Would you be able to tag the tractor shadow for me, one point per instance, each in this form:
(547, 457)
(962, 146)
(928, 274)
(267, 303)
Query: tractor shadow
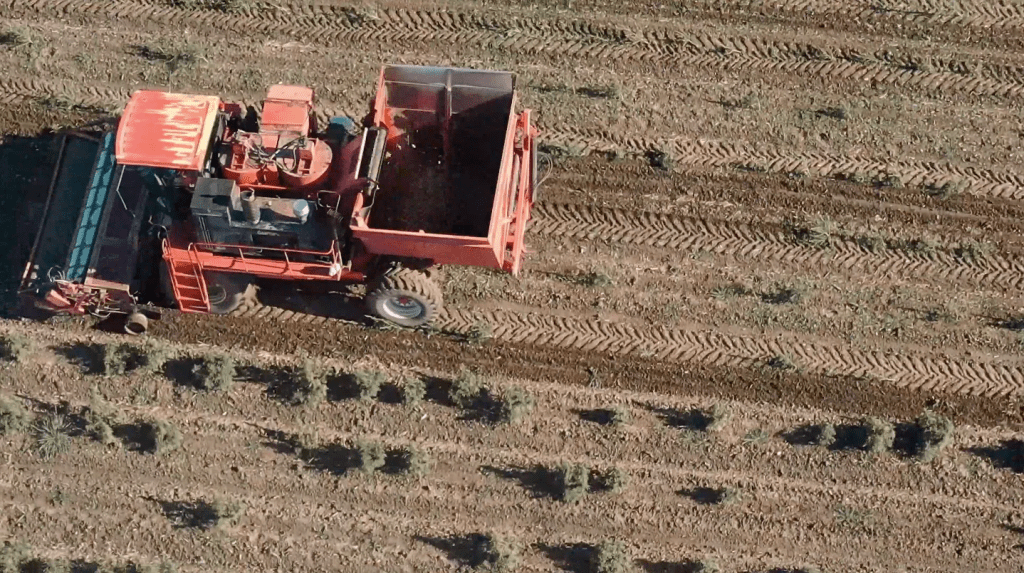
(304, 299)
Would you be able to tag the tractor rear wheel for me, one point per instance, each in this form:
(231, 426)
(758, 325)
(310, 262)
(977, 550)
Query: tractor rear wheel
(405, 297)
(227, 291)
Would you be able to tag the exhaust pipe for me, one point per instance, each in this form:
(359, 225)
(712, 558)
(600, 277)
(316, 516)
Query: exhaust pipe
(249, 206)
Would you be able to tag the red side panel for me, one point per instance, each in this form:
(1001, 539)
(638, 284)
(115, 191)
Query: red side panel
(168, 130)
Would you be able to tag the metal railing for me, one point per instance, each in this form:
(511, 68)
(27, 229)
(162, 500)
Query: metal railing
(333, 252)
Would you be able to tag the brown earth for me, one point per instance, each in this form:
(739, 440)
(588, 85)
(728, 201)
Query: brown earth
(739, 186)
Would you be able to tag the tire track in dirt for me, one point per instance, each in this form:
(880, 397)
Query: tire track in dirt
(994, 15)
(904, 369)
(523, 36)
(978, 181)
(740, 240)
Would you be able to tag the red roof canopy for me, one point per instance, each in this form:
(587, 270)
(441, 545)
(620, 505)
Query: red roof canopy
(169, 130)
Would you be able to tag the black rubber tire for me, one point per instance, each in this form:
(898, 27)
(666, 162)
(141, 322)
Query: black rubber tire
(136, 323)
(406, 297)
(236, 290)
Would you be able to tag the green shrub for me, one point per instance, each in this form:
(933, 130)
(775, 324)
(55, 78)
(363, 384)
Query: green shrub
(495, 553)
(52, 566)
(727, 496)
(13, 416)
(826, 435)
(756, 436)
(371, 456)
(934, 433)
(465, 390)
(161, 436)
(610, 557)
(216, 373)
(516, 404)
(312, 386)
(706, 566)
(225, 513)
(12, 557)
(413, 390)
(15, 347)
(613, 480)
(115, 359)
(879, 435)
(53, 435)
(100, 418)
(572, 481)
(619, 416)
(716, 417)
(154, 354)
(414, 461)
(368, 384)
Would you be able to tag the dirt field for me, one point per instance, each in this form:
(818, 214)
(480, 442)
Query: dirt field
(808, 212)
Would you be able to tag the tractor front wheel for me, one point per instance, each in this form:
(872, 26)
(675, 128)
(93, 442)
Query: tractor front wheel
(405, 297)
(227, 291)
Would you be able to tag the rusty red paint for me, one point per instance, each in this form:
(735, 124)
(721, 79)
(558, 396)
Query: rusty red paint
(168, 130)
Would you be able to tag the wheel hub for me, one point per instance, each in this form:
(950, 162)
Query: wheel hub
(216, 293)
(403, 308)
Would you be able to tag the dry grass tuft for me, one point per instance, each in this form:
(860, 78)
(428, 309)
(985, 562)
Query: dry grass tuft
(53, 435)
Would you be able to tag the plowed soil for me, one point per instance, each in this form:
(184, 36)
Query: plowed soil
(805, 211)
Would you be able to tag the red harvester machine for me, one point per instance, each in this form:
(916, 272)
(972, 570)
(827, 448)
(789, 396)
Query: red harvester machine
(214, 199)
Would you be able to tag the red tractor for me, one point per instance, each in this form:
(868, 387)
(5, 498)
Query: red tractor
(442, 172)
